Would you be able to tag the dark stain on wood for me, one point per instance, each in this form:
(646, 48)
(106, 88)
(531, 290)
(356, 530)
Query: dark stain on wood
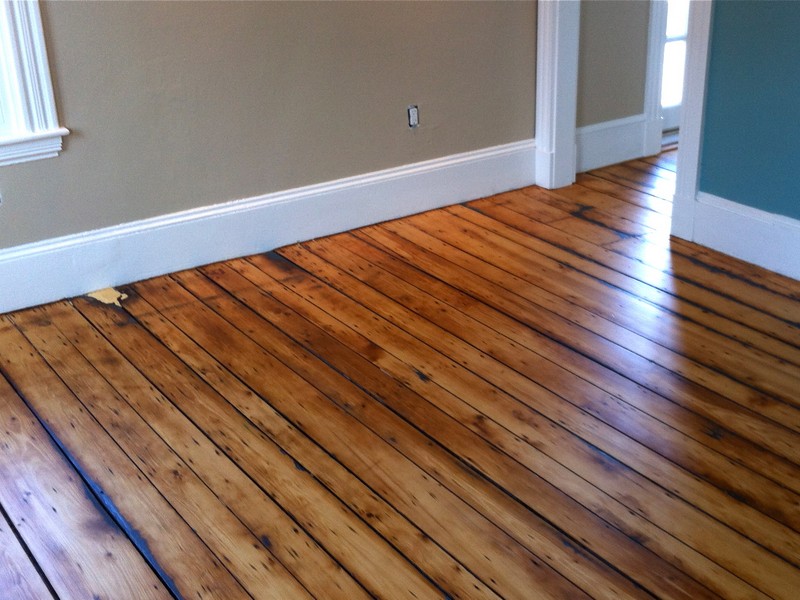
(422, 376)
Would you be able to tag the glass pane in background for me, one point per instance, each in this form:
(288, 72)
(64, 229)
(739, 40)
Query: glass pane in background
(677, 18)
(672, 78)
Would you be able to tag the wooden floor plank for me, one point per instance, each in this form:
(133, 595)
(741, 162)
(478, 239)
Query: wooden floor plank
(19, 577)
(312, 506)
(408, 487)
(578, 299)
(741, 273)
(629, 218)
(750, 425)
(752, 326)
(621, 192)
(68, 535)
(647, 312)
(513, 482)
(375, 511)
(626, 407)
(638, 180)
(666, 159)
(650, 221)
(702, 306)
(272, 528)
(185, 562)
(608, 227)
(542, 212)
(462, 382)
(598, 536)
(477, 256)
(638, 530)
(301, 402)
(725, 276)
(781, 539)
(252, 563)
(480, 495)
(654, 169)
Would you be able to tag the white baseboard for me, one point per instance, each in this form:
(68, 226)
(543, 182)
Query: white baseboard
(615, 141)
(69, 266)
(765, 239)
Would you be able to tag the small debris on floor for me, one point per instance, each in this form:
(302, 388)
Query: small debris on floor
(109, 296)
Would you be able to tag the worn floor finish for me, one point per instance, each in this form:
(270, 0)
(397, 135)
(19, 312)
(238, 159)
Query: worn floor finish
(534, 395)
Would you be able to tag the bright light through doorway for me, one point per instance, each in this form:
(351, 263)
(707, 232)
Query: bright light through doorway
(674, 61)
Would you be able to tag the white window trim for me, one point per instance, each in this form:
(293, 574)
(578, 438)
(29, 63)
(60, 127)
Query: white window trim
(38, 135)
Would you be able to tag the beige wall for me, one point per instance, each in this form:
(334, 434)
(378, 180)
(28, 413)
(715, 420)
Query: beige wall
(613, 59)
(178, 105)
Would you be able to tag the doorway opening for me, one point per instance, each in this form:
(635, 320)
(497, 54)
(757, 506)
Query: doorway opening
(673, 67)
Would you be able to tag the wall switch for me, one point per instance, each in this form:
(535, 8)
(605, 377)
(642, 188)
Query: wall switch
(413, 115)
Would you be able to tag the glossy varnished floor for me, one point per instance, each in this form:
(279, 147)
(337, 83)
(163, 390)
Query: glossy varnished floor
(534, 395)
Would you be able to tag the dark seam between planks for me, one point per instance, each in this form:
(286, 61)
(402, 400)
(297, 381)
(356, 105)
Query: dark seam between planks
(293, 424)
(614, 286)
(95, 494)
(599, 360)
(325, 450)
(717, 369)
(35, 563)
(590, 411)
(565, 538)
(628, 182)
(580, 213)
(175, 453)
(577, 407)
(265, 541)
(719, 431)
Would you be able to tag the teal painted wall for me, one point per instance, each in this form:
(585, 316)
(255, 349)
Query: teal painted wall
(751, 136)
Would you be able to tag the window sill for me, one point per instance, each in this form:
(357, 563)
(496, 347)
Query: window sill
(31, 146)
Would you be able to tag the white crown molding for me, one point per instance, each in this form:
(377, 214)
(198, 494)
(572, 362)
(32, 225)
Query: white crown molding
(762, 238)
(58, 268)
(558, 33)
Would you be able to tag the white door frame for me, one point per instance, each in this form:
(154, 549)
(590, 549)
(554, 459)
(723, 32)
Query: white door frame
(691, 127)
(558, 31)
(656, 35)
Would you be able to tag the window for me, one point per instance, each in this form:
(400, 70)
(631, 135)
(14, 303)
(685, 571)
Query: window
(29, 127)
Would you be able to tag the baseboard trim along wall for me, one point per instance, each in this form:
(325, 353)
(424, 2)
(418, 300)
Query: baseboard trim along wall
(616, 141)
(765, 239)
(73, 265)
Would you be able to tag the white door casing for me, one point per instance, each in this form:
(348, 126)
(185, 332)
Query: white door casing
(558, 33)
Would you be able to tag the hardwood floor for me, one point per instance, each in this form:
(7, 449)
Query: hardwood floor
(533, 395)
